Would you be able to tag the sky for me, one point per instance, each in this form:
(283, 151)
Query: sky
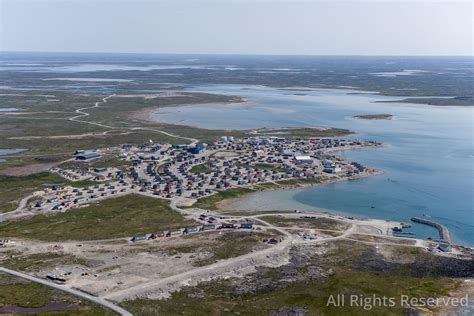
(281, 27)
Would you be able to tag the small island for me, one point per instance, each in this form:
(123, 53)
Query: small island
(374, 117)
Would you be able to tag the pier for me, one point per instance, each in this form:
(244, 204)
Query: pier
(442, 230)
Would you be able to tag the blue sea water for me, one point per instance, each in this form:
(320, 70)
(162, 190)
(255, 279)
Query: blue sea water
(428, 157)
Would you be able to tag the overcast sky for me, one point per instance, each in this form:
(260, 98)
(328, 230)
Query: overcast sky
(378, 27)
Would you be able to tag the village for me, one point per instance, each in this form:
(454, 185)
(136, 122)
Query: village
(199, 170)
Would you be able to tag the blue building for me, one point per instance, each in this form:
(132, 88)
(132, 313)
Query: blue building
(196, 150)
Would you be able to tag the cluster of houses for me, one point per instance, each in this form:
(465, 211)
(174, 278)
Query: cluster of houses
(58, 197)
(5, 243)
(78, 174)
(199, 170)
(170, 171)
(211, 225)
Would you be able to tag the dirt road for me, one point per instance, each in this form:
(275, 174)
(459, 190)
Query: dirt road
(97, 300)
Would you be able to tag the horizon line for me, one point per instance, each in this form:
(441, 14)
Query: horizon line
(228, 54)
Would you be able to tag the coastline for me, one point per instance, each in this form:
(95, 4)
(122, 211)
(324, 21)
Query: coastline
(225, 204)
(146, 115)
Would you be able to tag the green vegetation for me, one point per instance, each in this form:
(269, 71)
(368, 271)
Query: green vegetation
(48, 146)
(374, 116)
(120, 217)
(304, 132)
(40, 261)
(250, 213)
(210, 202)
(297, 182)
(12, 188)
(44, 146)
(18, 292)
(110, 162)
(266, 186)
(233, 244)
(267, 166)
(461, 101)
(404, 241)
(201, 168)
(275, 292)
(222, 246)
(322, 223)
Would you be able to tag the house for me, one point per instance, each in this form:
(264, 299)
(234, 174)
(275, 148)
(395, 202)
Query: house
(174, 232)
(258, 153)
(303, 159)
(179, 146)
(149, 156)
(273, 241)
(328, 164)
(332, 169)
(88, 155)
(139, 238)
(55, 277)
(227, 226)
(191, 230)
(54, 186)
(159, 234)
(308, 236)
(208, 227)
(445, 247)
(246, 226)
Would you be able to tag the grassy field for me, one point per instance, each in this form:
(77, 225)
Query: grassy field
(201, 168)
(119, 217)
(267, 166)
(39, 261)
(275, 292)
(26, 131)
(250, 213)
(210, 202)
(22, 293)
(221, 245)
(297, 182)
(316, 223)
(233, 244)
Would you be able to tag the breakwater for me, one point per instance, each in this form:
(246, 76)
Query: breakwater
(442, 230)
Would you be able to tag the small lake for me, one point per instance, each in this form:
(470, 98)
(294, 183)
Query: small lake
(428, 158)
(9, 109)
(6, 151)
